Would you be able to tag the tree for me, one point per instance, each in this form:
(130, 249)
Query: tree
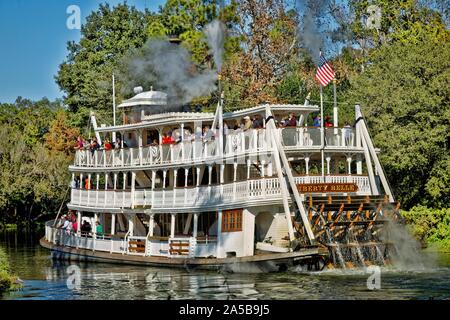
(267, 34)
(405, 96)
(86, 74)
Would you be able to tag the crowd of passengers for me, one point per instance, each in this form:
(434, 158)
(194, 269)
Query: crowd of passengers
(174, 136)
(68, 223)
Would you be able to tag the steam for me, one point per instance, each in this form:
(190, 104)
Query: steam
(169, 68)
(310, 35)
(215, 35)
(406, 253)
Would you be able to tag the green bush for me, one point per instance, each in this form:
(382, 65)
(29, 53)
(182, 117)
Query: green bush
(430, 226)
(6, 280)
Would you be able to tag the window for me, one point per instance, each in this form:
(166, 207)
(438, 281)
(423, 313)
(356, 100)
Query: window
(232, 220)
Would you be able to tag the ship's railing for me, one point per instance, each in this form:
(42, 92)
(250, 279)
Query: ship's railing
(305, 137)
(84, 240)
(204, 196)
(154, 246)
(236, 142)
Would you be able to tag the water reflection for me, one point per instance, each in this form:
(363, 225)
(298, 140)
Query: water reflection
(47, 279)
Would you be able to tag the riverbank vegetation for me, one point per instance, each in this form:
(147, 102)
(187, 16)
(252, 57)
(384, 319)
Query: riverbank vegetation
(7, 281)
(399, 73)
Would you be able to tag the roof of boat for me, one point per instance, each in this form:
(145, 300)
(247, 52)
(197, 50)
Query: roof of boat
(170, 118)
(147, 98)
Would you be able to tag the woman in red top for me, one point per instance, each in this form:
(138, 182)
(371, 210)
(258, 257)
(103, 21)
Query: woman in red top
(328, 123)
(107, 145)
(168, 139)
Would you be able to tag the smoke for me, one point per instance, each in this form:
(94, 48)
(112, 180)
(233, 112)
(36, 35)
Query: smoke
(215, 35)
(169, 68)
(311, 37)
(406, 252)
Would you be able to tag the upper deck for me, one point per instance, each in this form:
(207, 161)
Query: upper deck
(145, 147)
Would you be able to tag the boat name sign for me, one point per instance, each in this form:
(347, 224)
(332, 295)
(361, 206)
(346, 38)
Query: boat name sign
(326, 187)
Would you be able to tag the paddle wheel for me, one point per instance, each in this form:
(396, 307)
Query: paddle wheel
(353, 229)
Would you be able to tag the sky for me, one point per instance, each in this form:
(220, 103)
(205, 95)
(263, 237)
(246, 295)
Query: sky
(33, 41)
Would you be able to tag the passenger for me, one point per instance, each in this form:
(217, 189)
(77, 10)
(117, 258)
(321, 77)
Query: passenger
(225, 128)
(237, 125)
(207, 133)
(167, 139)
(87, 184)
(317, 121)
(73, 184)
(85, 227)
(248, 124)
(257, 122)
(328, 122)
(80, 143)
(87, 144)
(99, 228)
(74, 225)
(292, 121)
(94, 145)
(108, 146)
(347, 130)
(154, 143)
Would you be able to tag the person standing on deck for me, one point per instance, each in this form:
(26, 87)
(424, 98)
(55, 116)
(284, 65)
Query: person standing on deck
(248, 124)
(99, 228)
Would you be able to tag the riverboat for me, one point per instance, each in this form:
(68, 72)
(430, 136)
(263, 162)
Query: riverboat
(194, 190)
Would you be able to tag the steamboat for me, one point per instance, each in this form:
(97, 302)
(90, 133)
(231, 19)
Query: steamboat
(199, 190)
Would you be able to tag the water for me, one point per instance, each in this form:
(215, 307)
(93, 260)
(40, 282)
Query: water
(45, 279)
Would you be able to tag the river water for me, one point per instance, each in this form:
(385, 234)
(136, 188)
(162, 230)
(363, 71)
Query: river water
(45, 279)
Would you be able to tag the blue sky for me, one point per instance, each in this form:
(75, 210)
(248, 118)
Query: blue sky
(33, 37)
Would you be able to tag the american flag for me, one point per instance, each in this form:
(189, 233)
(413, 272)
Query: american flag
(324, 72)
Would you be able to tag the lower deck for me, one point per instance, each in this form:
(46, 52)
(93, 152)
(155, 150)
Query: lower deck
(261, 261)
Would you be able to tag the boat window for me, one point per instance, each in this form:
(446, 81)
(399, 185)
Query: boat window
(232, 220)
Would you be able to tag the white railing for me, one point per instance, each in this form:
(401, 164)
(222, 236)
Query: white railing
(87, 241)
(243, 191)
(236, 142)
(154, 246)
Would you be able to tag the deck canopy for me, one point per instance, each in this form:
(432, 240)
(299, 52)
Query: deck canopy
(170, 118)
(148, 98)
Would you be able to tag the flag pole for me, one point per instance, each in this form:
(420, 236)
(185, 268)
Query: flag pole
(322, 131)
(114, 107)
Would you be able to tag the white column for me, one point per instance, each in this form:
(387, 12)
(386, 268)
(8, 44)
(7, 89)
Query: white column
(186, 174)
(133, 188)
(164, 178)
(151, 224)
(209, 175)
(131, 225)
(235, 165)
(219, 234)
(328, 165)
(175, 177)
(172, 225)
(140, 144)
(358, 164)
(349, 165)
(194, 234)
(307, 165)
(222, 172)
(248, 168)
(78, 223)
(270, 169)
(94, 227)
(198, 175)
(113, 223)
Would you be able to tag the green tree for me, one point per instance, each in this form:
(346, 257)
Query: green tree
(86, 74)
(405, 96)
